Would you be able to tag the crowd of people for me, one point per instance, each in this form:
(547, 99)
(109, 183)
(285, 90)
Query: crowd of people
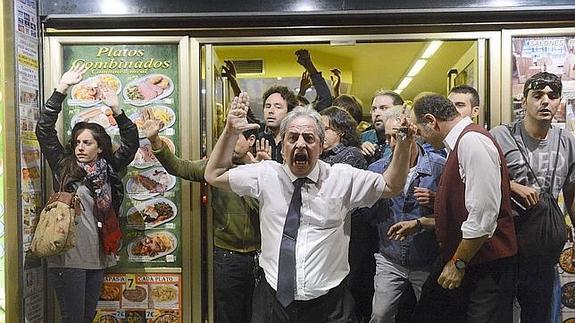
(318, 219)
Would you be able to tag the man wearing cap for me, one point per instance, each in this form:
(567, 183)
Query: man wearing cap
(304, 208)
(542, 145)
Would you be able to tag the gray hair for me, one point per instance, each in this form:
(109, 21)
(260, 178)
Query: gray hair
(305, 112)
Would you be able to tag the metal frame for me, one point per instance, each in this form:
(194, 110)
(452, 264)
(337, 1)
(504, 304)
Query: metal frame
(189, 122)
(507, 51)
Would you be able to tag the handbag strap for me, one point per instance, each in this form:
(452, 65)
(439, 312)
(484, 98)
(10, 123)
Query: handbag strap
(550, 188)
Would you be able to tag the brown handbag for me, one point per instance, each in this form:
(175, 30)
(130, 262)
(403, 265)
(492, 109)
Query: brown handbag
(55, 231)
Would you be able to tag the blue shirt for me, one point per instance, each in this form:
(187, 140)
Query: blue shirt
(382, 151)
(420, 249)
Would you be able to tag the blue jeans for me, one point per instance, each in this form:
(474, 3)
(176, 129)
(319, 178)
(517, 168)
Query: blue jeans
(233, 285)
(77, 291)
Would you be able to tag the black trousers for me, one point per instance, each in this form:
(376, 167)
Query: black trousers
(233, 285)
(485, 295)
(335, 306)
(535, 292)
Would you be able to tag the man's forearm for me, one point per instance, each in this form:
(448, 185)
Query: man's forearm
(468, 248)
(220, 160)
(396, 173)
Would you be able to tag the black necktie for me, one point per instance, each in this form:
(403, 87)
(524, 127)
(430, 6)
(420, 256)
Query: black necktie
(286, 267)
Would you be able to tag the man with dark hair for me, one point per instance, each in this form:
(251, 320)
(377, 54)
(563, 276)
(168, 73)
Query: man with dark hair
(351, 104)
(535, 143)
(304, 215)
(373, 141)
(278, 101)
(474, 277)
(466, 100)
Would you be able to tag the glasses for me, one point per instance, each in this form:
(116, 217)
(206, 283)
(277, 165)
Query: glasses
(540, 84)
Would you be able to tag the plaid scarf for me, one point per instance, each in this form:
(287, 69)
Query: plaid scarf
(108, 227)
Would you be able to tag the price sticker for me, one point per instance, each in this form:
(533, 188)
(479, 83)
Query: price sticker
(120, 314)
(130, 281)
(150, 314)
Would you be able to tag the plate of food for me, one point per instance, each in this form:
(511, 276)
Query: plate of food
(136, 295)
(566, 261)
(568, 295)
(149, 183)
(135, 317)
(107, 318)
(151, 213)
(110, 292)
(164, 295)
(88, 92)
(101, 115)
(167, 318)
(155, 112)
(145, 158)
(149, 88)
(151, 246)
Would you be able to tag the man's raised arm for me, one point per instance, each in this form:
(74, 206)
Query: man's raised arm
(220, 160)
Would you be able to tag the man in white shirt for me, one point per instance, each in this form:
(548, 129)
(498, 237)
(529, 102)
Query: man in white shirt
(328, 195)
(474, 277)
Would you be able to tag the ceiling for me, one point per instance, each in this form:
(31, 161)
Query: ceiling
(366, 67)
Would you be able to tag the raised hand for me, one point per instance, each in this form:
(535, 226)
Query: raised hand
(229, 69)
(335, 81)
(304, 83)
(263, 150)
(151, 128)
(237, 121)
(72, 76)
(110, 98)
(303, 57)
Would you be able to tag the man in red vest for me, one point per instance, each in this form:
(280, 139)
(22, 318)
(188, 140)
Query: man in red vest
(474, 277)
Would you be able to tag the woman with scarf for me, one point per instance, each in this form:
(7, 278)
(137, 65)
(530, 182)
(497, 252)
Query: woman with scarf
(89, 167)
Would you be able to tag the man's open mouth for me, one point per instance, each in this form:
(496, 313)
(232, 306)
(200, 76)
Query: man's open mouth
(300, 159)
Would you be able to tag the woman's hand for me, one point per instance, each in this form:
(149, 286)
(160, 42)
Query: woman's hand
(72, 76)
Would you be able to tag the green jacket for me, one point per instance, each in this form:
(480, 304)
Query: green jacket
(236, 219)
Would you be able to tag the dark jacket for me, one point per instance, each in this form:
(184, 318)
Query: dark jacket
(54, 152)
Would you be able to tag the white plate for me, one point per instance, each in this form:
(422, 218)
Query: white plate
(145, 158)
(137, 82)
(157, 174)
(96, 115)
(163, 303)
(92, 82)
(143, 206)
(159, 112)
(142, 258)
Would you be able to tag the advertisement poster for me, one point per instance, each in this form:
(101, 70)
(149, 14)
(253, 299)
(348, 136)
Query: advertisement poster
(149, 298)
(145, 78)
(556, 55)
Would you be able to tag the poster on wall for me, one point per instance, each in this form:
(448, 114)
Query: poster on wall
(150, 298)
(145, 78)
(553, 54)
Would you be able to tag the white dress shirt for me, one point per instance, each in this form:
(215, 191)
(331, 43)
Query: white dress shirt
(480, 170)
(323, 236)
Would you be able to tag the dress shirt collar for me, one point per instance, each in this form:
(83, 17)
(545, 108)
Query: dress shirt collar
(451, 138)
(313, 175)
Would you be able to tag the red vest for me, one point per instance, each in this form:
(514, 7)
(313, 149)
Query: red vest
(451, 212)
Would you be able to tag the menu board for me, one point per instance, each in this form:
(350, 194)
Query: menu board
(145, 77)
(150, 298)
(553, 54)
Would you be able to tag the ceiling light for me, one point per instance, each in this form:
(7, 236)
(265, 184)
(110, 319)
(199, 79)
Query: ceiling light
(405, 82)
(431, 48)
(419, 64)
(113, 7)
(398, 91)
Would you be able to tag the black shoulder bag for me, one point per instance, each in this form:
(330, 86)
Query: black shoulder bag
(541, 229)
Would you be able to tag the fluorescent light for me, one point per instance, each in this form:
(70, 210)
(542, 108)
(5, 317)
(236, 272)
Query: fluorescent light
(431, 48)
(419, 64)
(398, 91)
(113, 7)
(405, 82)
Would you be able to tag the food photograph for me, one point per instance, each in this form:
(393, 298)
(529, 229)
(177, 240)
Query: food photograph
(164, 296)
(149, 183)
(149, 88)
(87, 93)
(150, 214)
(145, 157)
(155, 112)
(151, 246)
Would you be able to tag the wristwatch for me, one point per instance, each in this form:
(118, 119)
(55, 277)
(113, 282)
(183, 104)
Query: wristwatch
(459, 264)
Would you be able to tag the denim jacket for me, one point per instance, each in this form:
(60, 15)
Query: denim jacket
(420, 249)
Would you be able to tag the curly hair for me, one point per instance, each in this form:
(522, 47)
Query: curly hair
(285, 92)
(351, 104)
(343, 123)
